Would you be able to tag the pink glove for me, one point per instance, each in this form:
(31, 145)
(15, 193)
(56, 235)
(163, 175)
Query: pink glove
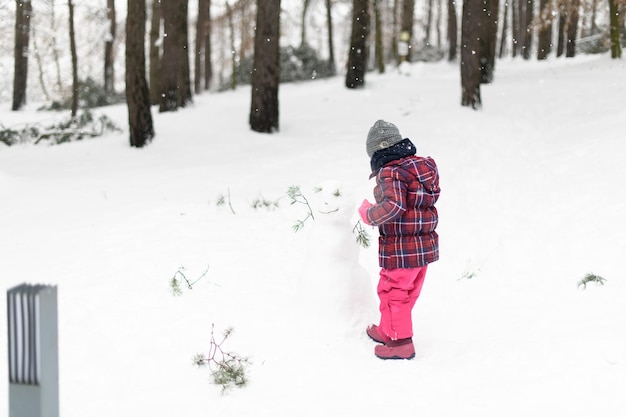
(365, 205)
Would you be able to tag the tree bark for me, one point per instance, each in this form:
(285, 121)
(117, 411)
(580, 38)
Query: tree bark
(452, 30)
(202, 26)
(527, 28)
(74, 59)
(478, 39)
(357, 56)
(23, 12)
(505, 27)
(174, 81)
(331, 46)
(109, 72)
(266, 69)
(572, 29)
(406, 23)
(208, 63)
(614, 33)
(470, 63)
(544, 36)
(155, 52)
(137, 95)
(378, 39)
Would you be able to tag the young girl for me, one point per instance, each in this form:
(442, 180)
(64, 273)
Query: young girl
(407, 188)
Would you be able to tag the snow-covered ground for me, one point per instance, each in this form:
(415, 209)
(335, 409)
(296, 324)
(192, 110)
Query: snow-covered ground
(533, 198)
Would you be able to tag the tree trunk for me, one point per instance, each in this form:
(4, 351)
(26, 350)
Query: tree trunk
(616, 48)
(357, 56)
(560, 45)
(572, 29)
(155, 52)
(175, 81)
(74, 59)
(137, 95)
(544, 41)
(429, 23)
(202, 24)
(452, 30)
(470, 63)
(109, 74)
(406, 24)
(378, 39)
(266, 69)
(527, 28)
(505, 27)
(233, 57)
(23, 12)
(208, 66)
(488, 39)
(331, 47)
(515, 27)
(305, 9)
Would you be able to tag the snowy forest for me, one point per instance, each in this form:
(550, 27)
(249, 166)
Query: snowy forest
(89, 53)
(190, 190)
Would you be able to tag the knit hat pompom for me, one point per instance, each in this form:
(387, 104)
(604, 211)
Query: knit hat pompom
(381, 136)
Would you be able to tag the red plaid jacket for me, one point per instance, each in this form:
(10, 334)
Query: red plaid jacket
(406, 192)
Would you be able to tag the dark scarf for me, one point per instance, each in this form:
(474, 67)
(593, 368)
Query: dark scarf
(400, 150)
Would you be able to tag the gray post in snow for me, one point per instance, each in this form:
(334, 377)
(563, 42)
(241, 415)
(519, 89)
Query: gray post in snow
(33, 351)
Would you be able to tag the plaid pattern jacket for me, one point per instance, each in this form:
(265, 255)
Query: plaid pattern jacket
(406, 192)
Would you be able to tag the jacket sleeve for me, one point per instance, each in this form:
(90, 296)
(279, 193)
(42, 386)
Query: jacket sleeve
(390, 193)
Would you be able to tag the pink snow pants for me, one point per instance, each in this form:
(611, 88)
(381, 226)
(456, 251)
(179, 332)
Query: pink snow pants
(398, 290)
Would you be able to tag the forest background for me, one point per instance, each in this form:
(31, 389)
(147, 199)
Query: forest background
(315, 40)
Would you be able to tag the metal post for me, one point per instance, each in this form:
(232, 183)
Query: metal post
(33, 351)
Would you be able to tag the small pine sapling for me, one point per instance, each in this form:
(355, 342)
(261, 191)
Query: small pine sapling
(296, 197)
(228, 369)
(362, 237)
(598, 280)
(262, 202)
(180, 276)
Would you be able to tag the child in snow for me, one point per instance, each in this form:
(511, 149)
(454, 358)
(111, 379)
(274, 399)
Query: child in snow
(407, 188)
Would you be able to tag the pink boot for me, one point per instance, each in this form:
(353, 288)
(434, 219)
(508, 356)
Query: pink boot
(396, 349)
(376, 336)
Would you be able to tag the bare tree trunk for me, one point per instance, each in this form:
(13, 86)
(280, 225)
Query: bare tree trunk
(515, 27)
(406, 23)
(616, 48)
(40, 69)
(429, 23)
(231, 27)
(23, 12)
(200, 52)
(452, 30)
(109, 72)
(357, 56)
(175, 81)
(305, 9)
(331, 47)
(394, 35)
(544, 41)
(470, 62)
(74, 59)
(266, 73)
(527, 28)
(488, 38)
(155, 52)
(560, 45)
(572, 29)
(505, 27)
(208, 66)
(378, 39)
(137, 95)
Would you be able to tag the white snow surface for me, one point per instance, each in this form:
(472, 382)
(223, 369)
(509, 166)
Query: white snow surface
(533, 198)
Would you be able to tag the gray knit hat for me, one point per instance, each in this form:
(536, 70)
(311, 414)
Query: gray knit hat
(381, 136)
